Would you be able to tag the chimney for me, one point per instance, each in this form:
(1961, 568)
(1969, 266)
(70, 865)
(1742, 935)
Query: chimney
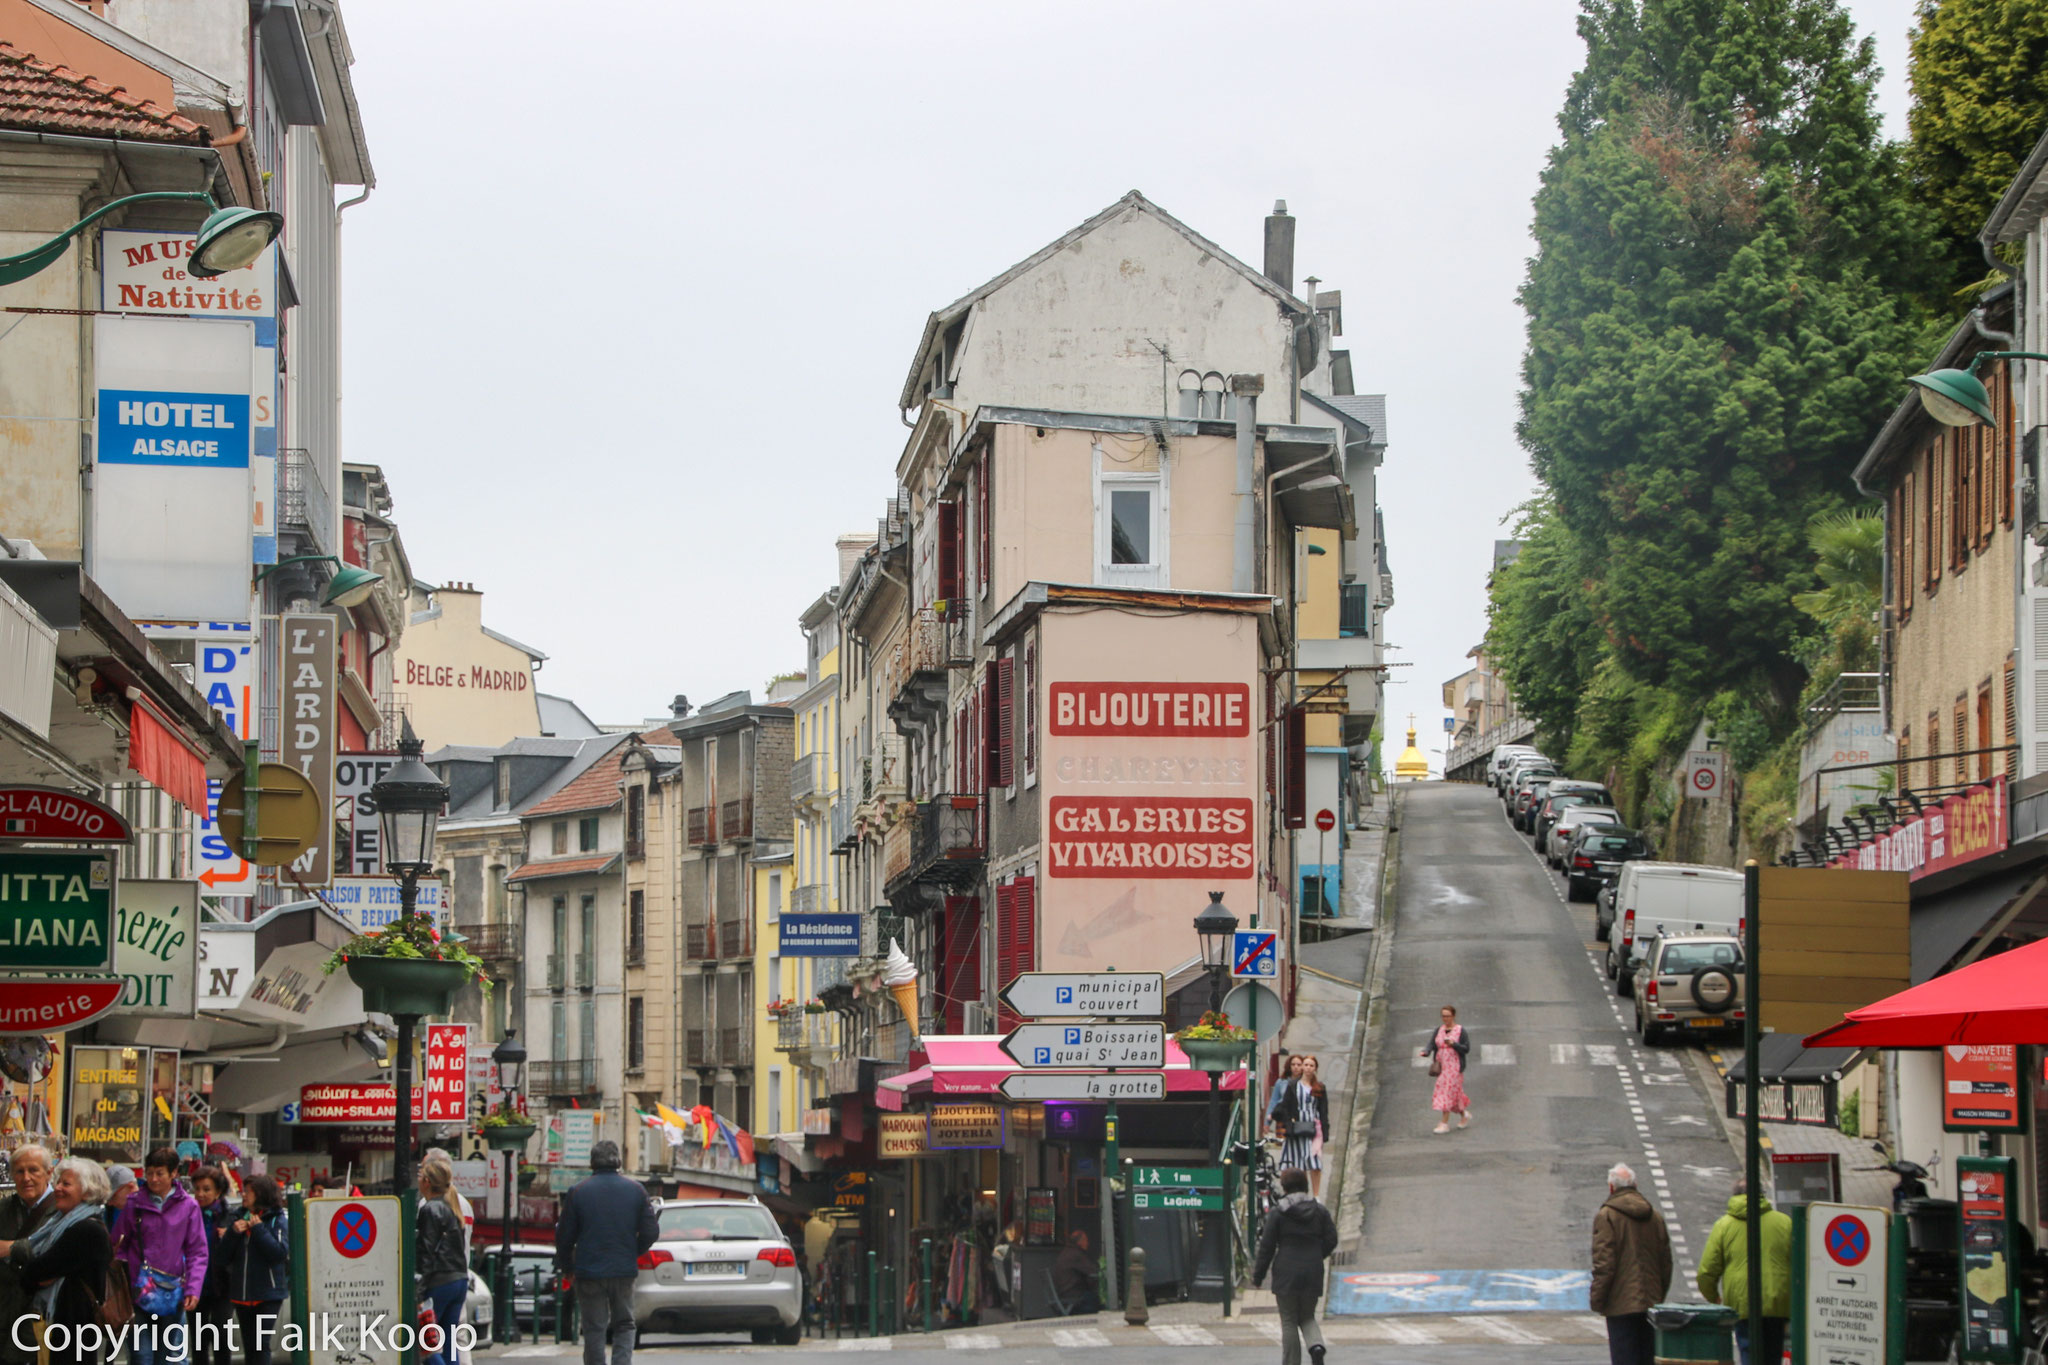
(679, 709)
(1280, 246)
(851, 547)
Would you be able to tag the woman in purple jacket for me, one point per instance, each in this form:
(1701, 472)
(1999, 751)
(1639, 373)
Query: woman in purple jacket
(161, 1233)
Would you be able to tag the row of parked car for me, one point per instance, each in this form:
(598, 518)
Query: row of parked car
(1673, 930)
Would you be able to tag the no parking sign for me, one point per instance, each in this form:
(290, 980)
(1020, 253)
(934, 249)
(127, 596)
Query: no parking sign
(354, 1272)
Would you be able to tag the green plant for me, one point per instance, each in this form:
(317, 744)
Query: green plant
(1849, 1116)
(1215, 1027)
(506, 1115)
(412, 938)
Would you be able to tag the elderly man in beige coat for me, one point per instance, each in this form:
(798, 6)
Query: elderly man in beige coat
(1631, 1268)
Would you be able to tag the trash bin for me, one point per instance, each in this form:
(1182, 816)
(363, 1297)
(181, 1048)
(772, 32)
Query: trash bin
(1694, 1333)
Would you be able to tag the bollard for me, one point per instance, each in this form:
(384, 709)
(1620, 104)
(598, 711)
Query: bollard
(924, 1288)
(1135, 1312)
(874, 1298)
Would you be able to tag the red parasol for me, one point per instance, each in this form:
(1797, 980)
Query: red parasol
(2002, 999)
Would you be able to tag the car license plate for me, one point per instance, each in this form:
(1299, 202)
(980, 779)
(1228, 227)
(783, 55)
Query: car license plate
(1703, 1023)
(701, 1270)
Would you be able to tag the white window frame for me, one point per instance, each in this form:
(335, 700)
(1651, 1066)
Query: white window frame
(1157, 574)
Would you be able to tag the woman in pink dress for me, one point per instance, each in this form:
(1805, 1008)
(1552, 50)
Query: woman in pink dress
(1449, 1046)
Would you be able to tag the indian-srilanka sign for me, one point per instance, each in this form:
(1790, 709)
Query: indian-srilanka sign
(902, 1137)
(1152, 781)
(305, 718)
(1981, 1089)
(156, 948)
(819, 936)
(1962, 829)
(171, 495)
(57, 911)
(446, 1081)
(569, 1136)
(52, 815)
(951, 1127)
(354, 1279)
(367, 1103)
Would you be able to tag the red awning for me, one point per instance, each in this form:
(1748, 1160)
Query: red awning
(975, 1064)
(160, 754)
(2002, 999)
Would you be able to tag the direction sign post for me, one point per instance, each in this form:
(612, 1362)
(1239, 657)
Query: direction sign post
(1111, 995)
(1084, 1085)
(1179, 1200)
(1068, 1046)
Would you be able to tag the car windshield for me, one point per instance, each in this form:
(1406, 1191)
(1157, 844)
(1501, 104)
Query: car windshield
(1615, 843)
(1582, 814)
(1690, 957)
(709, 1223)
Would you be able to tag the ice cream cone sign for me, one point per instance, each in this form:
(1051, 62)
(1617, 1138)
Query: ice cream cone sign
(901, 979)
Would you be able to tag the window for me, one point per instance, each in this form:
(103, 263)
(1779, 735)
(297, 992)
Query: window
(497, 893)
(636, 1033)
(560, 953)
(985, 542)
(1984, 740)
(774, 896)
(586, 966)
(1030, 699)
(586, 1028)
(1131, 514)
(636, 817)
(2012, 725)
(558, 1031)
(1927, 516)
(774, 1099)
(504, 784)
(586, 834)
(561, 837)
(636, 926)
(1130, 526)
(1962, 734)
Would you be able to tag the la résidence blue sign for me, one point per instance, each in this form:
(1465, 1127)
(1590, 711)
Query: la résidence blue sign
(820, 936)
(194, 430)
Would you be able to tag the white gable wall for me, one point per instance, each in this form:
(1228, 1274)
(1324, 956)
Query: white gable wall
(1074, 333)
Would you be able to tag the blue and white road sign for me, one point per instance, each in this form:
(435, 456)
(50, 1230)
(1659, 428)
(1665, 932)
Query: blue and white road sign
(1257, 953)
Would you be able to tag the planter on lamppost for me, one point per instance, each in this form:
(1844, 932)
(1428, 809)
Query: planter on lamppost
(1217, 1054)
(408, 985)
(508, 1137)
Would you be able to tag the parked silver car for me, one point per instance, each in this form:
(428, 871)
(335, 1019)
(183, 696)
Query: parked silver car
(720, 1265)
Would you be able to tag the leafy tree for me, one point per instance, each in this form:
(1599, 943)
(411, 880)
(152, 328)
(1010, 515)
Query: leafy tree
(1719, 314)
(1848, 552)
(1540, 634)
(1979, 72)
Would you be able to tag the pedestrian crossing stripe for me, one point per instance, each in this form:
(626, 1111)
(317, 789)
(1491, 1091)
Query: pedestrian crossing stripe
(1078, 1338)
(1496, 1054)
(972, 1341)
(1185, 1334)
(865, 1344)
(1502, 1330)
(1564, 1054)
(1269, 1330)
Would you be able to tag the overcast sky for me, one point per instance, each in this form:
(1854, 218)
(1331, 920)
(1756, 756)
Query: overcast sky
(629, 310)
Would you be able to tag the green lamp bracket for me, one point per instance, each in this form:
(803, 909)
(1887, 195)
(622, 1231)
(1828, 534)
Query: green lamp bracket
(14, 269)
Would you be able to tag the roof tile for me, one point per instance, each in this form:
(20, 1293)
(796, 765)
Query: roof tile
(563, 867)
(39, 97)
(598, 787)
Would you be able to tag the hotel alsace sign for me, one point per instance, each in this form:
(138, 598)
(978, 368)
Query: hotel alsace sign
(1970, 825)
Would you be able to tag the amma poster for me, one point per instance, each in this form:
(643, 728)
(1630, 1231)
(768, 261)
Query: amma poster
(1152, 783)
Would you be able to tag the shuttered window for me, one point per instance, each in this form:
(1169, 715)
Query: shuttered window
(982, 523)
(1030, 710)
(1929, 505)
(960, 974)
(1961, 731)
(1296, 795)
(2012, 722)
(2006, 437)
(1003, 760)
(947, 540)
(1988, 439)
(1984, 740)
(1909, 516)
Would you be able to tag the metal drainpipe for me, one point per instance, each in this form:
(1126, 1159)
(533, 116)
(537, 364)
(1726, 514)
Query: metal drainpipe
(1246, 388)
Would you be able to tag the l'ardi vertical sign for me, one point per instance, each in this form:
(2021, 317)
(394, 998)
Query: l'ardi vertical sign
(306, 725)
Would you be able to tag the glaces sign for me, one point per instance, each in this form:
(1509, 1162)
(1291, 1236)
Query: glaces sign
(1962, 829)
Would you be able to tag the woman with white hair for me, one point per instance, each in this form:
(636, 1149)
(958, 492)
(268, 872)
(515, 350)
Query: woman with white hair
(63, 1264)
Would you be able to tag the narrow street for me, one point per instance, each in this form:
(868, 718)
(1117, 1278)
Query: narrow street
(1497, 1217)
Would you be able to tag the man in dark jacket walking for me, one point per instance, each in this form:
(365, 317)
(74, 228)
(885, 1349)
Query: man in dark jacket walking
(606, 1223)
(1298, 1237)
(1631, 1268)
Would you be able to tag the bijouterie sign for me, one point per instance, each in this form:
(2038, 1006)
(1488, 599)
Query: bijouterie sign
(1142, 708)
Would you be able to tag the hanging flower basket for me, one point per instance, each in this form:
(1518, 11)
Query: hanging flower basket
(408, 985)
(1216, 1044)
(508, 1137)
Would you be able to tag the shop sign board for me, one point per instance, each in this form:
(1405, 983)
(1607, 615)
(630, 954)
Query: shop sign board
(1110, 995)
(52, 815)
(569, 1135)
(56, 1006)
(902, 1137)
(1177, 1177)
(445, 1082)
(1982, 1089)
(819, 936)
(372, 903)
(1084, 1085)
(306, 725)
(1805, 1178)
(482, 1181)
(1847, 1273)
(354, 775)
(57, 911)
(1970, 825)
(1178, 1200)
(1087, 1045)
(354, 1278)
(1151, 774)
(483, 1075)
(156, 948)
(818, 1122)
(171, 502)
(355, 1103)
(956, 1127)
(110, 1103)
(1991, 1255)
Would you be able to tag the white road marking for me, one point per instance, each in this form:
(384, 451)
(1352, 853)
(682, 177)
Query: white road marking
(1691, 1120)
(1077, 1338)
(1496, 1054)
(972, 1341)
(1602, 1054)
(1563, 1054)
(1405, 1333)
(1269, 1330)
(1185, 1334)
(1654, 1078)
(866, 1344)
(1500, 1329)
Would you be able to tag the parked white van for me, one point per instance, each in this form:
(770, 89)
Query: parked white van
(1668, 898)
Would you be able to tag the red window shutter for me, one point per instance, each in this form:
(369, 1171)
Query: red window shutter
(960, 977)
(1006, 955)
(949, 550)
(1027, 924)
(990, 704)
(960, 750)
(1297, 767)
(1006, 723)
(981, 520)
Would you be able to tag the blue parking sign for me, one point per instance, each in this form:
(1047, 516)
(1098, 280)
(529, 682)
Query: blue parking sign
(1256, 953)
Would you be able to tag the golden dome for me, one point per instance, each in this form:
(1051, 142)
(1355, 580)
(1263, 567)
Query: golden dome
(1411, 763)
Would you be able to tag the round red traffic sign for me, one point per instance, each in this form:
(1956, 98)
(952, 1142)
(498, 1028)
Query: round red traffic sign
(353, 1231)
(1705, 779)
(1325, 821)
(1848, 1240)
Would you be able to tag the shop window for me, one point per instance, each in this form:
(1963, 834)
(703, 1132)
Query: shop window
(586, 834)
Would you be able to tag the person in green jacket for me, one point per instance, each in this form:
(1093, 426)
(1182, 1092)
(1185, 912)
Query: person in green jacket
(1724, 1273)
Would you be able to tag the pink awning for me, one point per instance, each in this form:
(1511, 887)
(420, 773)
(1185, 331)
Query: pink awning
(975, 1064)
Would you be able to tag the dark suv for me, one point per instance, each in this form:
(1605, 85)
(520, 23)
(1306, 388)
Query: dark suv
(1595, 859)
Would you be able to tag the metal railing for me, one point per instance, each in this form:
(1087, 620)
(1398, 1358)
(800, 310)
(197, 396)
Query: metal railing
(736, 820)
(1848, 692)
(492, 942)
(947, 844)
(306, 504)
(586, 971)
(698, 942)
(571, 1076)
(1513, 730)
(700, 1047)
(807, 777)
(809, 900)
(700, 826)
(827, 972)
(558, 972)
(732, 938)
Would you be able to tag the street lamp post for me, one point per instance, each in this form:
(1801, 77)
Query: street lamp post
(1216, 927)
(409, 802)
(509, 1057)
(229, 239)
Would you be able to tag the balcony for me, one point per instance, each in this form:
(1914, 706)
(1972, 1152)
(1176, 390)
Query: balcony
(808, 783)
(586, 971)
(700, 1047)
(732, 1046)
(919, 670)
(700, 826)
(736, 820)
(881, 772)
(802, 1035)
(493, 942)
(809, 900)
(575, 1076)
(698, 942)
(558, 971)
(842, 836)
(732, 938)
(306, 505)
(948, 844)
